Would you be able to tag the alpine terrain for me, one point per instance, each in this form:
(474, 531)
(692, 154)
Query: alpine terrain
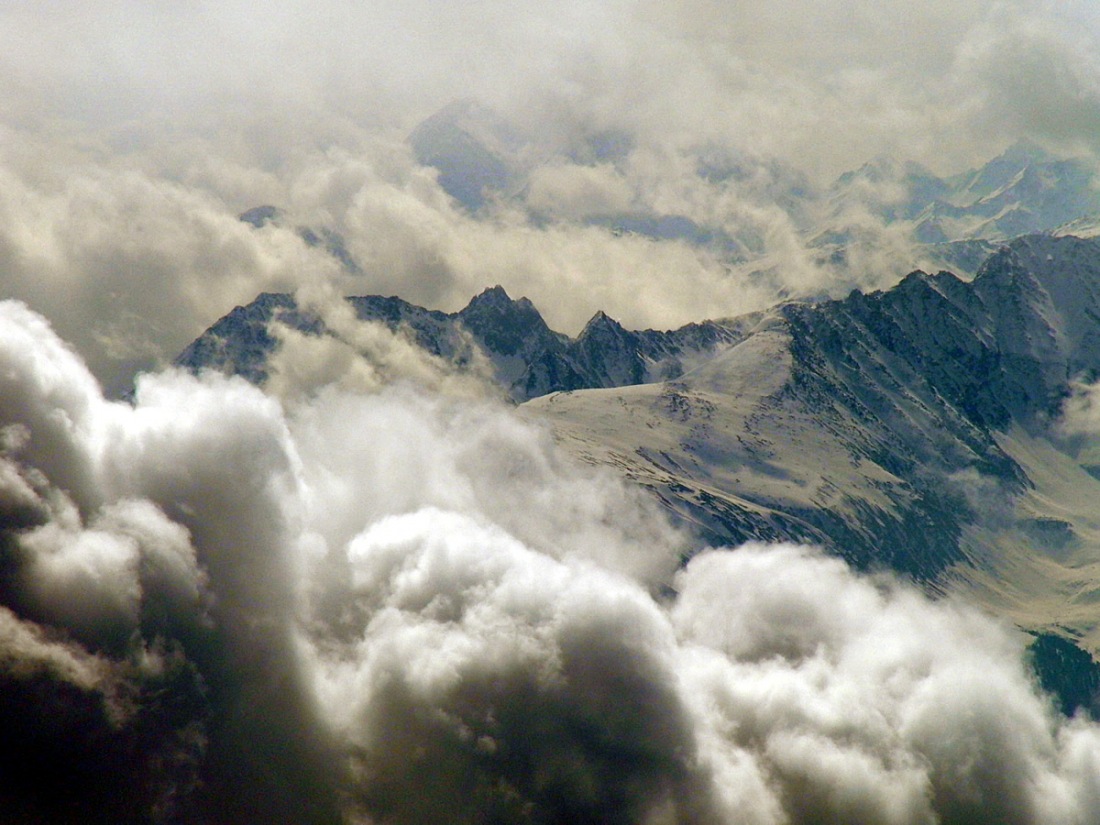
(934, 429)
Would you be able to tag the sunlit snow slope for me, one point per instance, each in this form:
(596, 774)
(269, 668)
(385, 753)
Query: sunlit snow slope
(918, 429)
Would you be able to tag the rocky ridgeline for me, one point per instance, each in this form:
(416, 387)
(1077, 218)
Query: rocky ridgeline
(529, 359)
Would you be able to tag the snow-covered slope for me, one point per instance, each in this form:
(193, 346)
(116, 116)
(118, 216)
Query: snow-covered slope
(912, 429)
(1022, 190)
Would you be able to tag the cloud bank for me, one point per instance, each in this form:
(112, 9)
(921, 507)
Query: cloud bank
(395, 606)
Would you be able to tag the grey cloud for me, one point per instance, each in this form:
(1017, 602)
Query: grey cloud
(829, 84)
(87, 736)
(1036, 75)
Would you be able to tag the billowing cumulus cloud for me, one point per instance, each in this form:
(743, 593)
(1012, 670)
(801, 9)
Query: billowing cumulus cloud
(1035, 74)
(395, 606)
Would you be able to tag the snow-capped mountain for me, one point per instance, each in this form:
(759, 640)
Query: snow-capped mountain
(478, 155)
(479, 158)
(915, 429)
(1022, 190)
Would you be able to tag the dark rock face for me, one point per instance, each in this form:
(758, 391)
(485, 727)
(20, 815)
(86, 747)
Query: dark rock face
(930, 371)
(1068, 672)
(997, 350)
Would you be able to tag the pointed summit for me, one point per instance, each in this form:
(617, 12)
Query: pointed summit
(501, 324)
(493, 296)
(609, 352)
(599, 323)
(473, 150)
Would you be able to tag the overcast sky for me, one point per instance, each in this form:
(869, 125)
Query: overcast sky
(132, 135)
(828, 84)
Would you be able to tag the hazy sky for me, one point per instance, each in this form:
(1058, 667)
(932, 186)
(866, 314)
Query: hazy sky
(132, 135)
(827, 84)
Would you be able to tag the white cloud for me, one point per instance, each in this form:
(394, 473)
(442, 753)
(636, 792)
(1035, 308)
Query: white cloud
(1081, 410)
(577, 192)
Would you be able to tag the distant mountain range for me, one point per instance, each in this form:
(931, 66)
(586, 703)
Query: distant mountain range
(913, 429)
(479, 158)
(482, 161)
(1022, 190)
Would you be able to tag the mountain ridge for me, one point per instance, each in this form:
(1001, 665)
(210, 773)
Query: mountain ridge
(528, 358)
(914, 429)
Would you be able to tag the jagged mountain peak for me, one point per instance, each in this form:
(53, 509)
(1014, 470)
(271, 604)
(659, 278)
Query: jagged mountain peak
(494, 313)
(496, 297)
(472, 118)
(1003, 170)
(493, 296)
(474, 152)
(528, 358)
(600, 324)
(506, 328)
